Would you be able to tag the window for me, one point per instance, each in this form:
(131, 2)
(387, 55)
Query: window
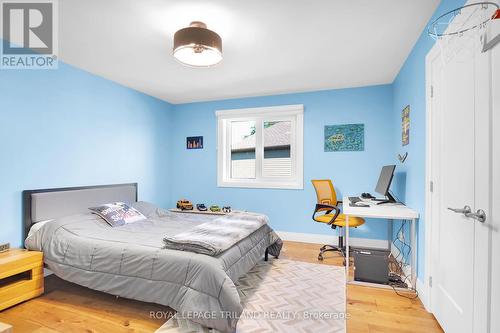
(260, 147)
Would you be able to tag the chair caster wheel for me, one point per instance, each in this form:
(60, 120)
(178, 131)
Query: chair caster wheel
(320, 257)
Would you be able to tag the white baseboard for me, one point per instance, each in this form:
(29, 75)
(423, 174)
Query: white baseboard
(422, 294)
(330, 239)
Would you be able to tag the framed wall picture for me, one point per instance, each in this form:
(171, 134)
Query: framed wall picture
(349, 137)
(194, 142)
(405, 126)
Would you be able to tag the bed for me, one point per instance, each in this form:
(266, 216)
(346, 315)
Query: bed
(130, 261)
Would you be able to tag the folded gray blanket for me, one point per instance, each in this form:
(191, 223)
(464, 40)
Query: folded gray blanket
(213, 238)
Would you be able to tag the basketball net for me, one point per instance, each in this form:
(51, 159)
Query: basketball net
(463, 29)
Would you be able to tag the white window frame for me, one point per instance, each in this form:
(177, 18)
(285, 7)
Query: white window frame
(293, 113)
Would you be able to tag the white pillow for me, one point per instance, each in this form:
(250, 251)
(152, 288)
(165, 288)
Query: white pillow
(37, 226)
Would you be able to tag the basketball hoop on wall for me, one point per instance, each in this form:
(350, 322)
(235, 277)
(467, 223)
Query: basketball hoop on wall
(479, 22)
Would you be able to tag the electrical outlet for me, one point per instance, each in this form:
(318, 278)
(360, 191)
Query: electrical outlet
(4, 247)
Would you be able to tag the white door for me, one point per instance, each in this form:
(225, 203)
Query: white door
(459, 170)
(494, 219)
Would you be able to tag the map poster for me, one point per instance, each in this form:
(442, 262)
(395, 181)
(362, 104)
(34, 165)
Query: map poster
(349, 137)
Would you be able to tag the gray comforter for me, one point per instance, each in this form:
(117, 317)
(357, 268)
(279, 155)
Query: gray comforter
(130, 261)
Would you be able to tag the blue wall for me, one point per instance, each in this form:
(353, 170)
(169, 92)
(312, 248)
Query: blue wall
(55, 131)
(409, 89)
(194, 172)
(67, 127)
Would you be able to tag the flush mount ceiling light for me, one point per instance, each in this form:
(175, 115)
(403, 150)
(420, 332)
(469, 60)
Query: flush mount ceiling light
(197, 46)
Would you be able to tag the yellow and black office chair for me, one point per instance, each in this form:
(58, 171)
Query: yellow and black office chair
(328, 203)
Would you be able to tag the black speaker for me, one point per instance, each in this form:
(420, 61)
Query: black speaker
(371, 265)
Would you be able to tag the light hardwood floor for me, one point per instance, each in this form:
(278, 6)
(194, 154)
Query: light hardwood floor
(69, 308)
(372, 310)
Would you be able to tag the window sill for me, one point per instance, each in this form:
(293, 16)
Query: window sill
(262, 185)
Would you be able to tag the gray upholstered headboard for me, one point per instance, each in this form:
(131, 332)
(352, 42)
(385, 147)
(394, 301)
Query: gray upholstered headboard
(45, 204)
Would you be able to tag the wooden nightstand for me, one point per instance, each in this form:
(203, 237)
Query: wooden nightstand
(21, 276)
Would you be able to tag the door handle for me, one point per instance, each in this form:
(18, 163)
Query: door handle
(480, 215)
(466, 210)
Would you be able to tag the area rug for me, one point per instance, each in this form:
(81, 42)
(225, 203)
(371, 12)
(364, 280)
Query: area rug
(284, 296)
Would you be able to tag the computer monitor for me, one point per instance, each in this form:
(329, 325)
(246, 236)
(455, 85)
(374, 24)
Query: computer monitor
(384, 183)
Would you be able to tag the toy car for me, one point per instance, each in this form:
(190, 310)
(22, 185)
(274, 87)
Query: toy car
(226, 209)
(184, 204)
(201, 207)
(215, 208)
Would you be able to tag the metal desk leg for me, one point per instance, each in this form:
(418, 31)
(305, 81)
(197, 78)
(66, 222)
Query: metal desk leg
(347, 248)
(413, 262)
(390, 235)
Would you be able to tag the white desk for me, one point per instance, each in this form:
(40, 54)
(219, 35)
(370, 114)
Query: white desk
(391, 211)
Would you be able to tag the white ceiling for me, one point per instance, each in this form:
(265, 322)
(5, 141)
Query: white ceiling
(269, 46)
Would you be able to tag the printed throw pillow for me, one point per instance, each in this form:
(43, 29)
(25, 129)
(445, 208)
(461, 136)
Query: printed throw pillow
(118, 213)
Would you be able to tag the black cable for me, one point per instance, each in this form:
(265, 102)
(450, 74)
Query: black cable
(399, 261)
(399, 264)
